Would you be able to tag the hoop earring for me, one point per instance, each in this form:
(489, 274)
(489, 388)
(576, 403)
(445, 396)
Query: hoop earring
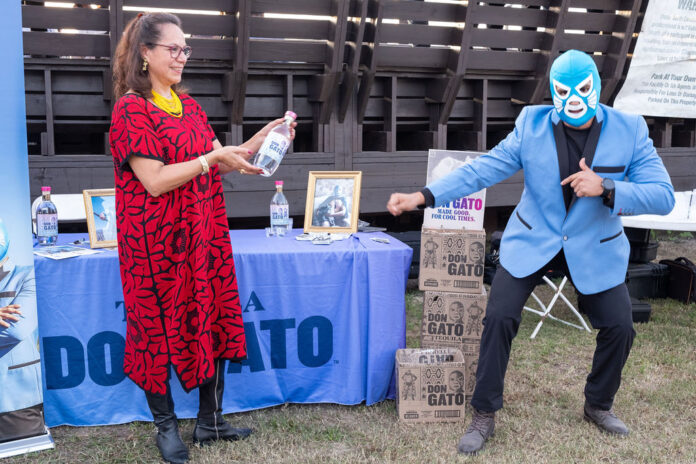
(145, 63)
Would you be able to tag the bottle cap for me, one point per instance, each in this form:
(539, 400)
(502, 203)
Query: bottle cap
(45, 189)
(279, 183)
(291, 114)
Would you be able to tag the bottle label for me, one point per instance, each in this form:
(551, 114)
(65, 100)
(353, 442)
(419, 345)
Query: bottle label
(47, 225)
(275, 146)
(279, 214)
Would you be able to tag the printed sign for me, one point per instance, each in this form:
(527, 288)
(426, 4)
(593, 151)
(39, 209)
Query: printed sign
(463, 213)
(662, 78)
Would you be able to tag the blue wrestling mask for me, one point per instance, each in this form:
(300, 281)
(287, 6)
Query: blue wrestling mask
(4, 240)
(575, 87)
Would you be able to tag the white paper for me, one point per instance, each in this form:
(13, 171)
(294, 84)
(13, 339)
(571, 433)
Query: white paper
(662, 78)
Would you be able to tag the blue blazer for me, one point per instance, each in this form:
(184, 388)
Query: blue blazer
(590, 233)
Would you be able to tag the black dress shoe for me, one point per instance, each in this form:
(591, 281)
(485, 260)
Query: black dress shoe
(482, 427)
(606, 421)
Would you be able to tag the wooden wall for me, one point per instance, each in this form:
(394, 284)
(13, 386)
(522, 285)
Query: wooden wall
(375, 84)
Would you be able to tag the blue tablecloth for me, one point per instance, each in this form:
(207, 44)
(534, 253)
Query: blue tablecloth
(323, 323)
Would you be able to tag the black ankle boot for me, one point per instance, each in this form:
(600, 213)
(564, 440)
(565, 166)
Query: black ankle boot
(168, 439)
(210, 424)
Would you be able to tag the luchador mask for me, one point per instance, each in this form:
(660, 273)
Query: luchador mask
(4, 240)
(575, 87)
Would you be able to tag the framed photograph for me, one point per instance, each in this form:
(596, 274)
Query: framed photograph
(100, 208)
(333, 200)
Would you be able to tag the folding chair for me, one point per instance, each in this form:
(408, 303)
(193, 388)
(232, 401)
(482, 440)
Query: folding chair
(546, 310)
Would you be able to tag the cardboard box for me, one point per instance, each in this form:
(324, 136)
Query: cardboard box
(463, 213)
(452, 260)
(430, 385)
(455, 320)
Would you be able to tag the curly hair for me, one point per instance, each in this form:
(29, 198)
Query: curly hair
(143, 30)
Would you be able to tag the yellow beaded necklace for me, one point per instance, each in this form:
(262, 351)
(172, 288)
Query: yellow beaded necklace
(172, 105)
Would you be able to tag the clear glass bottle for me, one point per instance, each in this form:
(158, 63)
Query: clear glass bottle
(280, 211)
(275, 146)
(46, 219)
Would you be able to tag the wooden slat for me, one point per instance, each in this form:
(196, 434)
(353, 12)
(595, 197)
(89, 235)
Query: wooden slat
(77, 82)
(497, 38)
(607, 22)
(74, 45)
(82, 106)
(286, 51)
(58, 18)
(218, 25)
(412, 57)
(288, 28)
(503, 61)
(213, 5)
(304, 7)
(212, 49)
(417, 34)
(423, 11)
(586, 42)
(604, 5)
(496, 15)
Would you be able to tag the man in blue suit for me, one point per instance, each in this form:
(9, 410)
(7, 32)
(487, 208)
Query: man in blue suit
(21, 403)
(585, 165)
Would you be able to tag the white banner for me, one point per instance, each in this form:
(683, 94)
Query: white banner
(662, 78)
(464, 213)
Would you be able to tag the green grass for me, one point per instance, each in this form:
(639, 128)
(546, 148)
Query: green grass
(541, 421)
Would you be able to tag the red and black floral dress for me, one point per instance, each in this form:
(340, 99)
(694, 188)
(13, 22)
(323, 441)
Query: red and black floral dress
(177, 270)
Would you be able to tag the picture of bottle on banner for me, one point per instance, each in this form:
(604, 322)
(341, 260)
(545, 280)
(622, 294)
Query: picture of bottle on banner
(463, 214)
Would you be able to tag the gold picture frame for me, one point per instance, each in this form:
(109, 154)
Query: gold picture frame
(333, 202)
(100, 209)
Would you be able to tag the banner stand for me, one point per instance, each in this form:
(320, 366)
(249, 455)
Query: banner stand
(22, 426)
(27, 445)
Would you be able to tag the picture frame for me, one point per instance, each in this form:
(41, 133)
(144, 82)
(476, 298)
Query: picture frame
(100, 210)
(333, 202)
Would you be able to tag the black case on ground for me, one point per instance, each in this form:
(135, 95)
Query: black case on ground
(648, 280)
(682, 279)
(641, 310)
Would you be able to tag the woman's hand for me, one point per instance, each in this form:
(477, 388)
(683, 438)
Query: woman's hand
(231, 158)
(9, 313)
(254, 143)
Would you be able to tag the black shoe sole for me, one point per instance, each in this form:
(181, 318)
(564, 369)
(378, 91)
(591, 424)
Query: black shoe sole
(602, 429)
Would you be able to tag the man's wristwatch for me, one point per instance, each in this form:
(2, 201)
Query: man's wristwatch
(608, 190)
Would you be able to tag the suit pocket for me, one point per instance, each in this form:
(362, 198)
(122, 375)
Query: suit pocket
(523, 221)
(611, 238)
(608, 169)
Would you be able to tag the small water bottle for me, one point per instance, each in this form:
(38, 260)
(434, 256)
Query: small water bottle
(275, 146)
(46, 219)
(280, 211)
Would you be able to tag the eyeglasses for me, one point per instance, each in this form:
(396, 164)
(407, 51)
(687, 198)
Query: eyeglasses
(175, 50)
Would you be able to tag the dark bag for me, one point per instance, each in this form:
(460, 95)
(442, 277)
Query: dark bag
(682, 279)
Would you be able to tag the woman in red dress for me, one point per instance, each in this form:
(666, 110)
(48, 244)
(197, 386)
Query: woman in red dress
(177, 270)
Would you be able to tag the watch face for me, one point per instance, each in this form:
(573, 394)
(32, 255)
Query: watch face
(607, 184)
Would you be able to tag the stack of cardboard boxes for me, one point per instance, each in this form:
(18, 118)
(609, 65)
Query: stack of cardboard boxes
(433, 381)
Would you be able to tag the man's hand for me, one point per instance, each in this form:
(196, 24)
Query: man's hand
(9, 313)
(400, 202)
(585, 183)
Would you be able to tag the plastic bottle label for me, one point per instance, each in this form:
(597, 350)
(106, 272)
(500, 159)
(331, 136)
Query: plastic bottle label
(275, 146)
(47, 225)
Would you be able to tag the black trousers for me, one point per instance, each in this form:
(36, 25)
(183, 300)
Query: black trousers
(608, 311)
